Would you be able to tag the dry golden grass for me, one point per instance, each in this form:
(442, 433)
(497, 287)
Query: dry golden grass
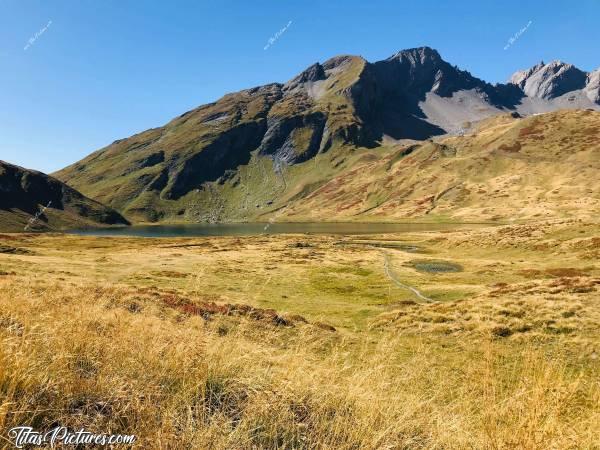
(85, 342)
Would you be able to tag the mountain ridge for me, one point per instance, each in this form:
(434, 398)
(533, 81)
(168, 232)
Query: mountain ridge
(165, 172)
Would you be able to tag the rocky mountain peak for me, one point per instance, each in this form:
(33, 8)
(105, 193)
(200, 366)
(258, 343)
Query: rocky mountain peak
(418, 56)
(420, 70)
(339, 62)
(549, 80)
(518, 78)
(316, 72)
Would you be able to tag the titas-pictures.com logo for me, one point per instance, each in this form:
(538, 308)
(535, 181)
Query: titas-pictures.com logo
(24, 436)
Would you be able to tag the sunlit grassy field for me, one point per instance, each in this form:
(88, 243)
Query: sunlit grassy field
(308, 341)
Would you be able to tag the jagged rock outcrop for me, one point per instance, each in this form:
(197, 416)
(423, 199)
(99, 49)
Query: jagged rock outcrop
(293, 139)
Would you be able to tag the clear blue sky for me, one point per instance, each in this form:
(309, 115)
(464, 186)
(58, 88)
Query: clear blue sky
(105, 69)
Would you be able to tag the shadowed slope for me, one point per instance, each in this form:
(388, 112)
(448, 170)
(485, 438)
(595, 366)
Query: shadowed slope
(32, 200)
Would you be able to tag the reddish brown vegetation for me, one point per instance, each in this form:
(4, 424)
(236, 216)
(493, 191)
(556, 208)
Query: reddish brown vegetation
(207, 309)
(511, 148)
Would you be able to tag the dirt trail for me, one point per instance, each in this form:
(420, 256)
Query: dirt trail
(392, 277)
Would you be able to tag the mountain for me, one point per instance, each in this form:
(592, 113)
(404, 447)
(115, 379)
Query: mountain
(33, 201)
(556, 85)
(550, 80)
(243, 155)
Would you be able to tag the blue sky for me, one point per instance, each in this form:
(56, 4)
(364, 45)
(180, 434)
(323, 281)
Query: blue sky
(105, 69)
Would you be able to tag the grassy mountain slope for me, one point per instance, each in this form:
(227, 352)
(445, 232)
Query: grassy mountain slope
(507, 168)
(170, 172)
(31, 200)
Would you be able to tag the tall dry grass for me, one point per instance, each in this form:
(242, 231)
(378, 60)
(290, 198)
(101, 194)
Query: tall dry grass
(83, 356)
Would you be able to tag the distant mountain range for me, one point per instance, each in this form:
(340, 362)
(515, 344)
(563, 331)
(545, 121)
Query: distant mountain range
(251, 153)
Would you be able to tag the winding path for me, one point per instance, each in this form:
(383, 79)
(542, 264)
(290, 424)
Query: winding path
(392, 277)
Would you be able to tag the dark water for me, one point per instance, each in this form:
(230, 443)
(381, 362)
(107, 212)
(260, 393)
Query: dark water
(436, 266)
(244, 229)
